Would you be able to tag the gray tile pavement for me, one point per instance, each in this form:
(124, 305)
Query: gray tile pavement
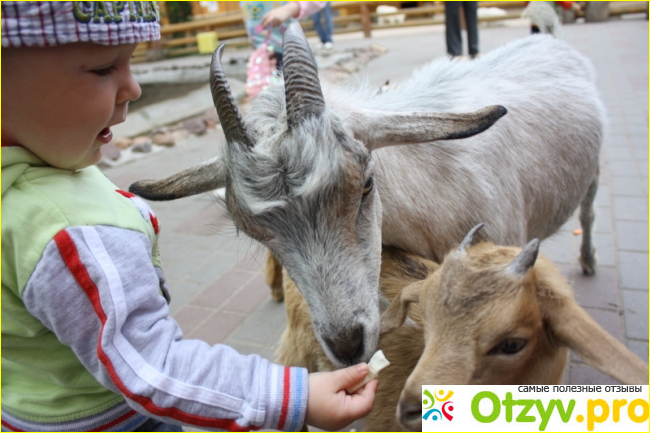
(216, 276)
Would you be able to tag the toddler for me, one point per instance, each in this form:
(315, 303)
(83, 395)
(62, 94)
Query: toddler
(87, 340)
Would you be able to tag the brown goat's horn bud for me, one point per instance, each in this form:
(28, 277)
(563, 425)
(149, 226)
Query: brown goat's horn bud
(301, 84)
(229, 116)
(526, 258)
(469, 237)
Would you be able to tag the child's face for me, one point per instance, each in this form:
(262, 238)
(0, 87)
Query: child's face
(60, 102)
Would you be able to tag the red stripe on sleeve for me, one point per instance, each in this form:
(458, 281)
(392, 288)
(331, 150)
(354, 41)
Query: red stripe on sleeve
(71, 258)
(154, 223)
(285, 398)
(125, 193)
(9, 426)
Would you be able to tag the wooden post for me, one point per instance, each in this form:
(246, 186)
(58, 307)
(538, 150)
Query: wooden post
(596, 12)
(365, 21)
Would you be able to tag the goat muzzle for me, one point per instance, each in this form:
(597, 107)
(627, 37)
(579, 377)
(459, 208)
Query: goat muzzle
(347, 347)
(409, 411)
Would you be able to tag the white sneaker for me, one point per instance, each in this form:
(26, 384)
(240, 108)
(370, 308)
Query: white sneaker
(328, 45)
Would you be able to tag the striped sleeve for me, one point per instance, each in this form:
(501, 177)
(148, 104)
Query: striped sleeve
(97, 290)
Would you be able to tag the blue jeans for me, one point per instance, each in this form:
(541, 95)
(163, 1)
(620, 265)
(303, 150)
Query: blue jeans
(324, 32)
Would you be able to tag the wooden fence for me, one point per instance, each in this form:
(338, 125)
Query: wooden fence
(180, 39)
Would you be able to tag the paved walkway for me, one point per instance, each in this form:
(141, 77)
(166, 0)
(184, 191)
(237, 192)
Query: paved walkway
(215, 274)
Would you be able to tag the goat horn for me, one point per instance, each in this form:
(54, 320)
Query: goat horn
(468, 239)
(229, 116)
(301, 84)
(526, 258)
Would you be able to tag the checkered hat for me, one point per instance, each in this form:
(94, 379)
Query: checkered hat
(44, 23)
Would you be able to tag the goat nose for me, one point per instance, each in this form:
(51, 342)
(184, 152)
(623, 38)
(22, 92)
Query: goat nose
(347, 346)
(410, 414)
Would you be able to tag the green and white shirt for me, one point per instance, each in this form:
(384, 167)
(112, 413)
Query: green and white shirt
(87, 340)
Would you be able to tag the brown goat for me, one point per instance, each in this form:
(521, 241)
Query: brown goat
(487, 315)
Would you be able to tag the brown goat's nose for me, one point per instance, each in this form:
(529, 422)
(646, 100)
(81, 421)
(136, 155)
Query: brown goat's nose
(409, 414)
(347, 346)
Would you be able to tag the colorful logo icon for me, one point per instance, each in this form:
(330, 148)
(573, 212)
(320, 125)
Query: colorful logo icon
(429, 401)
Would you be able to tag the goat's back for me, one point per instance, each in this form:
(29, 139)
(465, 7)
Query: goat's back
(524, 176)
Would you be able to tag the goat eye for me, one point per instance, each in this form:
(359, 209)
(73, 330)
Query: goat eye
(368, 186)
(509, 346)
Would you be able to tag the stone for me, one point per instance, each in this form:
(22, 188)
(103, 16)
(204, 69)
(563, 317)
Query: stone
(141, 145)
(180, 134)
(160, 129)
(195, 126)
(123, 142)
(163, 139)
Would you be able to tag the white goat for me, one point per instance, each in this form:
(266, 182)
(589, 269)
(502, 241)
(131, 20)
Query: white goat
(317, 175)
(488, 315)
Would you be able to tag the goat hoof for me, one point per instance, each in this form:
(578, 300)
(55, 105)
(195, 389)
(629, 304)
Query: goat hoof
(588, 264)
(277, 294)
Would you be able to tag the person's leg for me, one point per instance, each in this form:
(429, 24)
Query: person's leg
(452, 29)
(329, 25)
(318, 26)
(471, 9)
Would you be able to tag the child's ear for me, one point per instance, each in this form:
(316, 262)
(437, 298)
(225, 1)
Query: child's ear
(396, 313)
(573, 327)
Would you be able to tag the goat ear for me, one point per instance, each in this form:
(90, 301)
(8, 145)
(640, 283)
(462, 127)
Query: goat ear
(574, 328)
(381, 128)
(201, 178)
(526, 258)
(395, 314)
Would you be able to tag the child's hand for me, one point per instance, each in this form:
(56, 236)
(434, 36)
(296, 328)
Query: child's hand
(279, 15)
(329, 407)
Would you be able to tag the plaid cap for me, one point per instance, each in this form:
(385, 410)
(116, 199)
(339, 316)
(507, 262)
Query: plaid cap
(44, 23)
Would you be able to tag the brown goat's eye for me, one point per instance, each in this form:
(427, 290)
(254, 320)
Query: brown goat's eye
(368, 186)
(509, 346)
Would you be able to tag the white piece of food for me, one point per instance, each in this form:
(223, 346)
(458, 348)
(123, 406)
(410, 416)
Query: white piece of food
(377, 363)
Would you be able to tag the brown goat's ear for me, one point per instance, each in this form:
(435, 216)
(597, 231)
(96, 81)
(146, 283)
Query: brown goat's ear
(395, 314)
(574, 328)
(378, 129)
